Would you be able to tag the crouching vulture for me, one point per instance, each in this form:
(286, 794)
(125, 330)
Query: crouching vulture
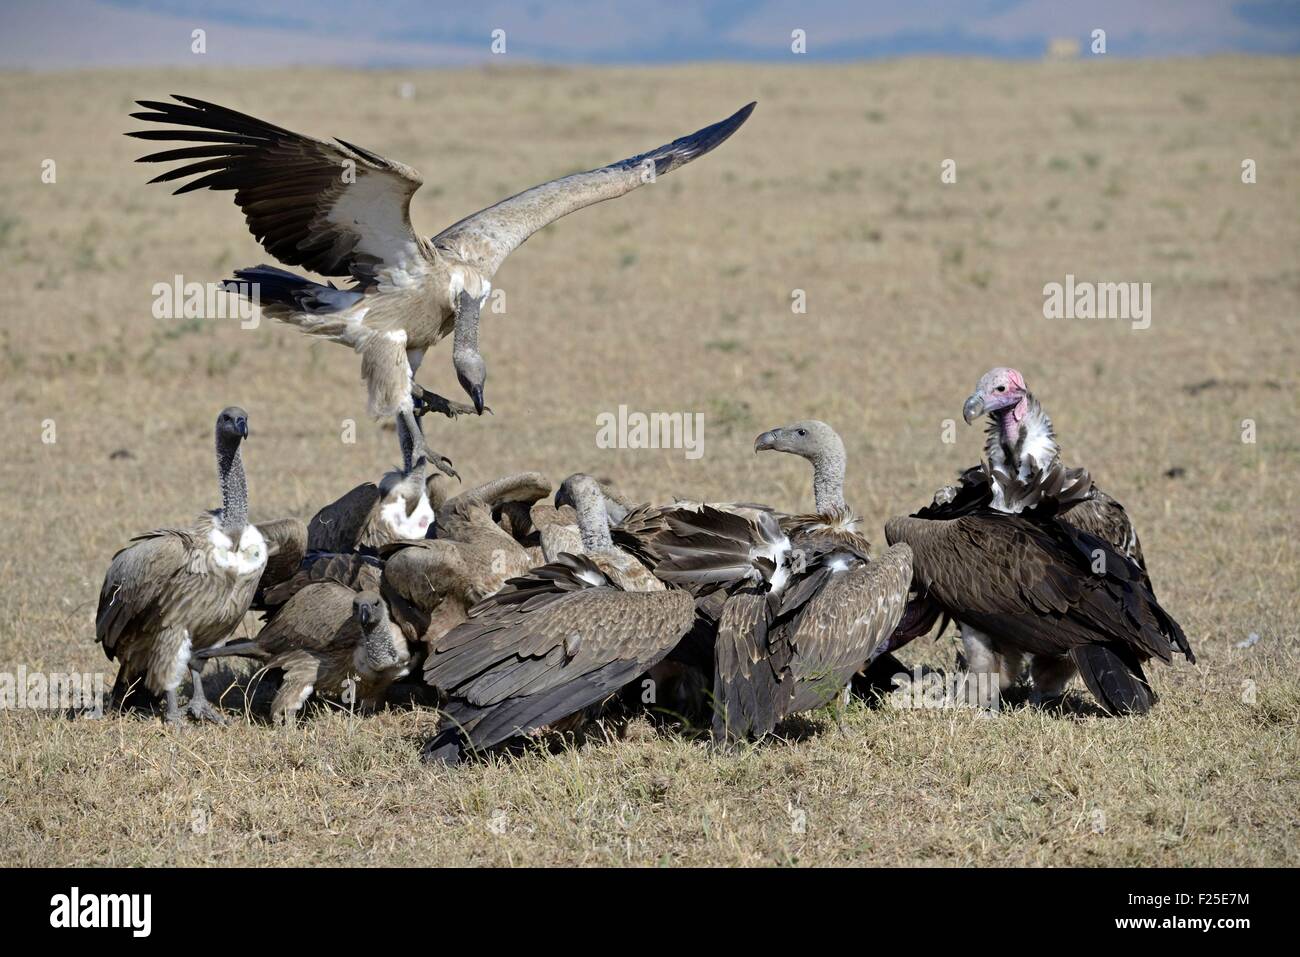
(1039, 585)
(796, 605)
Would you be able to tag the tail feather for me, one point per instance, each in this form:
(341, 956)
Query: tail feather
(1114, 675)
(315, 308)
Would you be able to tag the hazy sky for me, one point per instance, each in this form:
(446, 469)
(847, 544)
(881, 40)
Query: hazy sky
(48, 34)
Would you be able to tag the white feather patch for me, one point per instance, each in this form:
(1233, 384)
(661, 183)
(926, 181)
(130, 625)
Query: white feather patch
(245, 561)
(416, 525)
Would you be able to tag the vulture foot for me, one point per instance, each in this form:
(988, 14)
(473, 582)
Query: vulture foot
(426, 402)
(200, 710)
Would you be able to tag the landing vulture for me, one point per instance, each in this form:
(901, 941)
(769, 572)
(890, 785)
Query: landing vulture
(341, 210)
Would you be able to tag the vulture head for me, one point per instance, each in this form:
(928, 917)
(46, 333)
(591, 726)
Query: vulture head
(232, 426)
(809, 439)
(999, 388)
(381, 645)
(471, 372)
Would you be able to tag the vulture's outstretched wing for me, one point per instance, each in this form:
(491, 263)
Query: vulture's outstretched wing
(487, 237)
(549, 645)
(335, 208)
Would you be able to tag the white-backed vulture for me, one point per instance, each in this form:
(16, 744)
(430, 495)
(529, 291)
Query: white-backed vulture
(374, 515)
(341, 210)
(176, 591)
(1041, 586)
(327, 640)
(431, 584)
(805, 609)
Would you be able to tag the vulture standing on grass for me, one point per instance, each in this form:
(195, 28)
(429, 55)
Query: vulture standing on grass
(326, 639)
(1038, 585)
(341, 210)
(176, 591)
(805, 607)
(554, 643)
(1021, 443)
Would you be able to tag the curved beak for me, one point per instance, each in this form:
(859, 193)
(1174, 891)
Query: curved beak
(365, 615)
(973, 408)
(765, 442)
(476, 393)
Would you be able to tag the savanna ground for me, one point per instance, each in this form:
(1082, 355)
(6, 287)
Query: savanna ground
(678, 298)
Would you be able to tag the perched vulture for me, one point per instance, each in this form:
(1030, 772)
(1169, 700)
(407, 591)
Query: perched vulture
(1039, 585)
(340, 210)
(1021, 443)
(176, 591)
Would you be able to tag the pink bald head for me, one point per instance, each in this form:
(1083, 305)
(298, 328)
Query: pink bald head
(1000, 388)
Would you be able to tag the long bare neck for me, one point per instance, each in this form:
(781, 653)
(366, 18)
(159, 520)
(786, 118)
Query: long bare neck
(828, 477)
(593, 520)
(234, 487)
(464, 340)
(407, 442)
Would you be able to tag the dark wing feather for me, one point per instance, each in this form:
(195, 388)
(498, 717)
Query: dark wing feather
(533, 647)
(140, 581)
(338, 527)
(296, 198)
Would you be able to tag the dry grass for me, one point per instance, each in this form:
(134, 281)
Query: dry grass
(678, 298)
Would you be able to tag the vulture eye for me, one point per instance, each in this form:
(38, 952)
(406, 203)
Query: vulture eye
(1000, 388)
(803, 432)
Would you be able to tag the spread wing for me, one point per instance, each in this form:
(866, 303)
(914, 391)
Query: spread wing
(335, 208)
(487, 237)
(549, 645)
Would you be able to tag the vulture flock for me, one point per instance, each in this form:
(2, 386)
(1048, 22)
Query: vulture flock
(516, 609)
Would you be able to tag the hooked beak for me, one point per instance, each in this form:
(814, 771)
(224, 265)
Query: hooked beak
(366, 615)
(765, 442)
(241, 425)
(973, 408)
(476, 394)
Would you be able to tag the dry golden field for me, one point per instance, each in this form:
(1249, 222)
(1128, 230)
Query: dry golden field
(678, 298)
